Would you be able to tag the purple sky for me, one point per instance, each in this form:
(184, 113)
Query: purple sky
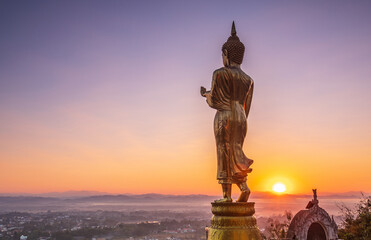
(115, 76)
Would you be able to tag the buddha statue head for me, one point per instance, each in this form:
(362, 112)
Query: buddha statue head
(233, 49)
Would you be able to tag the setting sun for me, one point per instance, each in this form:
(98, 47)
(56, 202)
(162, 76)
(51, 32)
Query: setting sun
(279, 187)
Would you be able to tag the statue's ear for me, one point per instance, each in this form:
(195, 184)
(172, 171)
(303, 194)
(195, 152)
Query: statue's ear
(225, 51)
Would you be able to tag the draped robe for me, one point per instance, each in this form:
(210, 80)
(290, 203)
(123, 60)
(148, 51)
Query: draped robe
(231, 94)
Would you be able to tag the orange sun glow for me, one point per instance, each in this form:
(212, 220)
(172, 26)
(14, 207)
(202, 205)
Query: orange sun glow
(279, 187)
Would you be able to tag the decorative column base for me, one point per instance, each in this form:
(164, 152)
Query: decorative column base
(233, 221)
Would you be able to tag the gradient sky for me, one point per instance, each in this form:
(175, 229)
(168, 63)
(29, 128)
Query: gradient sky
(104, 95)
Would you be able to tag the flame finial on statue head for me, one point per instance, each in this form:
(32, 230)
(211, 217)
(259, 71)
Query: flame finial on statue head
(233, 31)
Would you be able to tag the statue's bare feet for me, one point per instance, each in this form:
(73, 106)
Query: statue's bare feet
(244, 196)
(224, 200)
(250, 162)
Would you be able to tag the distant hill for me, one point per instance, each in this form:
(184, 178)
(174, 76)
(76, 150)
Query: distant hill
(96, 195)
(265, 202)
(102, 198)
(66, 194)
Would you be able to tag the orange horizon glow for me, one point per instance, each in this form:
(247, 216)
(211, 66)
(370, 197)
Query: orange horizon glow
(132, 170)
(156, 171)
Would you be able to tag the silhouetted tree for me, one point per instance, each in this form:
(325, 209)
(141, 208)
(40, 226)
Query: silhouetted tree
(356, 223)
(278, 229)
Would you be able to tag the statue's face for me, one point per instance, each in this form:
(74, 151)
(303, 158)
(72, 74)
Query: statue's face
(225, 57)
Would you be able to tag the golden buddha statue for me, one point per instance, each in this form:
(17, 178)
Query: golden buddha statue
(231, 93)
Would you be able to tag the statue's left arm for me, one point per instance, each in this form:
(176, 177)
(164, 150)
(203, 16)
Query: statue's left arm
(218, 97)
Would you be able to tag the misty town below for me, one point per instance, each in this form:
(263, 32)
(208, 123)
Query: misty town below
(148, 216)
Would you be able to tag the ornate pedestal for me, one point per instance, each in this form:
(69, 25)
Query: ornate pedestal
(233, 221)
